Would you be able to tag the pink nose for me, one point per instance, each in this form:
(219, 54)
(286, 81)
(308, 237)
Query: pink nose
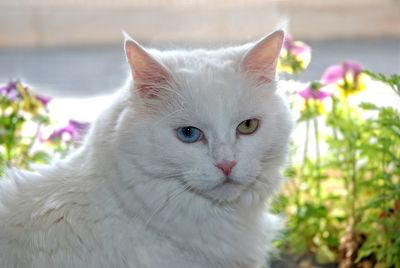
(226, 167)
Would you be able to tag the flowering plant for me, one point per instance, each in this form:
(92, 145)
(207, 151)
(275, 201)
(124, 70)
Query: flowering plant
(295, 56)
(65, 138)
(347, 77)
(342, 201)
(19, 110)
(23, 116)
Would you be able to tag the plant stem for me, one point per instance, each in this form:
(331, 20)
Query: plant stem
(354, 189)
(34, 138)
(318, 158)
(305, 152)
(334, 112)
(352, 173)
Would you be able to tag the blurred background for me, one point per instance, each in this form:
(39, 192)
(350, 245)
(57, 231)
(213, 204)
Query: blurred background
(74, 47)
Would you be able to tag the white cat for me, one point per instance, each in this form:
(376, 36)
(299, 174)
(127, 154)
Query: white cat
(175, 173)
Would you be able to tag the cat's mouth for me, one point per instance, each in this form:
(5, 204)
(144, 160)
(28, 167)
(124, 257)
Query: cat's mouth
(226, 191)
(227, 181)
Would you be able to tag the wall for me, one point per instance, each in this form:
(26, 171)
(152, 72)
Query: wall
(50, 23)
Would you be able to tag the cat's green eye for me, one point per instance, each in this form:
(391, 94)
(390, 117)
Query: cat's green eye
(248, 126)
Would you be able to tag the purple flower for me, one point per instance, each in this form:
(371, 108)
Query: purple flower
(295, 47)
(313, 91)
(43, 100)
(74, 129)
(10, 91)
(295, 56)
(346, 75)
(339, 71)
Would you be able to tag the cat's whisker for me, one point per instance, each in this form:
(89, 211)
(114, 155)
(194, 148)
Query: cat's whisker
(185, 189)
(169, 198)
(178, 174)
(258, 180)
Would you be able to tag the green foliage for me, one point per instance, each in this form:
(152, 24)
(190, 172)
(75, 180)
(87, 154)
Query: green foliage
(19, 108)
(381, 188)
(22, 117)
(393, 81)
(343, 205)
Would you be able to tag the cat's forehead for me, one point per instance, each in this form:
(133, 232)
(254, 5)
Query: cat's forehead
(208, 75)
(212, 89)
(198, 57)
(203, 70)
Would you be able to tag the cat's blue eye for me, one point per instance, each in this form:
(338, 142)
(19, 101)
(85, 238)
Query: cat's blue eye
(189, 134)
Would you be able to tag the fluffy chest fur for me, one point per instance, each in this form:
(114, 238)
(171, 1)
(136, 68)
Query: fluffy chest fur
(175, 173)
(61, 223)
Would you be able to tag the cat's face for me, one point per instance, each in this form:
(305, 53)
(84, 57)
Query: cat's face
(210, 120)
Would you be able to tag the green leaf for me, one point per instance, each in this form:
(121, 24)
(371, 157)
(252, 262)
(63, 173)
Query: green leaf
(42, 119)
(368, 106)
(40, 157)
(393, 81)
(324, 255)
(363, 253)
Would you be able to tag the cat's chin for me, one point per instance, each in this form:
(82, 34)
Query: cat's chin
(229, 192)
(225, 192)
(219, 190)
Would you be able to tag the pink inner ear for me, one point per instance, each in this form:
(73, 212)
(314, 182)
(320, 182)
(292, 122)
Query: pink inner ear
(264, 72)
(150, 80)
(148, 74)
(261, 60)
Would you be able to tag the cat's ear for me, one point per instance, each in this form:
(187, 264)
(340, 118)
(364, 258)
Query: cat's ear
(148, 74)
(261, 59)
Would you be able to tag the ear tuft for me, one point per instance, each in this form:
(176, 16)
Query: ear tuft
(148, 74)
(261, 60)
(126, 35)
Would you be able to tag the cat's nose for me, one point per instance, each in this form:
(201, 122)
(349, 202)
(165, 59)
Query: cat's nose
(226, 167)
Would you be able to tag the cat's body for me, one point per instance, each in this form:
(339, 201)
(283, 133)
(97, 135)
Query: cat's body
(135, 196)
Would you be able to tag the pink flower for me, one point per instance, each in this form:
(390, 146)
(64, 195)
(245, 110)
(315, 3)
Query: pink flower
(339, 71)
(313, 91)
(295, 47)
(43, 100)
(346, 75)
(10, 91)
(295, 56)
(14, 91)
(74, 129)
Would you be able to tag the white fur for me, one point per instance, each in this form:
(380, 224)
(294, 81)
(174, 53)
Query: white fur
(135, 196)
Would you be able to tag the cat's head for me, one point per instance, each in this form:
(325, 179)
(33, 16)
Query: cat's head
(210, 120)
